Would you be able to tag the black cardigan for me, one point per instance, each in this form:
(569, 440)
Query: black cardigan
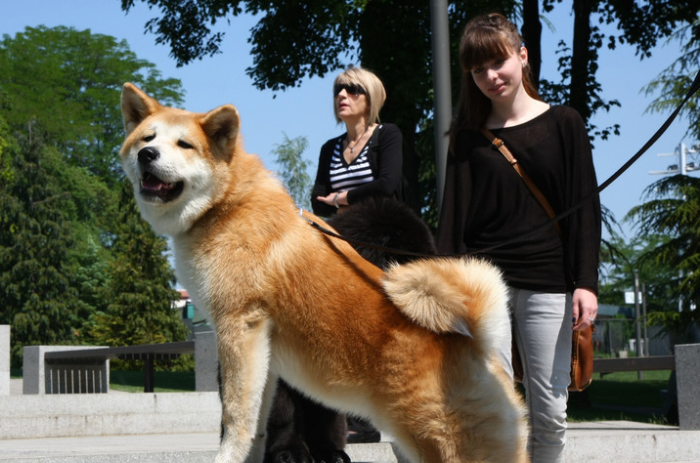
(485, 203)
(385, 157)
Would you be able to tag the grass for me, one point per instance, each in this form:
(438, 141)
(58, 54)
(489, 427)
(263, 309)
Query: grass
(163, 381)
(622, 396)
(132, 381)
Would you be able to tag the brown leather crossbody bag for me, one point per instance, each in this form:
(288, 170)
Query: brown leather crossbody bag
(581, 341)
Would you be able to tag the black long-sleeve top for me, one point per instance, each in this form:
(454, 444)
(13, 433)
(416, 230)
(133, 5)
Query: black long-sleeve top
(386, 159)
(486, 203)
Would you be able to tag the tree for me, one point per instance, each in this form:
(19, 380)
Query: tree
(65, 85)
(294, 169)
(297, 39)
(61, 263)
(618, 271)
(673, 82)
(674, 213)
(140, 290)
(641, 24)
(35, 236)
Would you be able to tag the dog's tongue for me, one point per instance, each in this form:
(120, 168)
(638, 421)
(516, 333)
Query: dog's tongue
(153, 184)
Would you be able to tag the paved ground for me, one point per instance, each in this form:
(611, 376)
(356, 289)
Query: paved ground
(608, 442)
(605, 442)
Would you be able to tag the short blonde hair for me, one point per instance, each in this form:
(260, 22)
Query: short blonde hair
(374, 90)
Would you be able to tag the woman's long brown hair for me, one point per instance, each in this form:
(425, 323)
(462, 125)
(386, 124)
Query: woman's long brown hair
(485, 38)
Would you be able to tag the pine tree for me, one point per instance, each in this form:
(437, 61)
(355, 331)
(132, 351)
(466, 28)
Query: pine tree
(38, 300)
(294, 169)
(140, 309)
(673, 212)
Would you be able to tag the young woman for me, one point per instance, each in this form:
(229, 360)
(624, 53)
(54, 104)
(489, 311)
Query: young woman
(487, 206)
(365, 161)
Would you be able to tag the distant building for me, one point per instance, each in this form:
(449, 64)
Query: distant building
(193, 318)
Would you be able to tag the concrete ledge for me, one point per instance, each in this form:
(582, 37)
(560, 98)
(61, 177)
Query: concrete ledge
(4, 360)
(629, 442)
(184, 427)
(40, 416)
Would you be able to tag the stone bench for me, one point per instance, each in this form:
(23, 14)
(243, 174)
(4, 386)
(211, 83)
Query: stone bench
(659, 362)
(79, 376)
(85, 369)
(686, 363)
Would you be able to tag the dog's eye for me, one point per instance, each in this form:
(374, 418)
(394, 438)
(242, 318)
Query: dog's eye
(183, 144)
(148, 138)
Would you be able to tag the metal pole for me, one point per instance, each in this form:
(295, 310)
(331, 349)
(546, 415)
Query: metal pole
(638, 328)
(442, 88)
(644, 317)
(681, 159)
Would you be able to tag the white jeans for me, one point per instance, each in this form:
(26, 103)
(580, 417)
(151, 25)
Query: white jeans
(542, 328)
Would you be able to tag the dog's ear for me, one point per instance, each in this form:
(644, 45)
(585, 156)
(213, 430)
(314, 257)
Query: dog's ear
(136, 106)
(221, 126)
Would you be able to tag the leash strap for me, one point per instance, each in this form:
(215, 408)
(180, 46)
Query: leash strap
(356, 243)
(536, 192)
(694, 87)
(553, 220)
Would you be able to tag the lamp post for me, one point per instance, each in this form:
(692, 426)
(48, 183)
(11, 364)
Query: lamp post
(683, 166)
(638, 328)
(442, 88)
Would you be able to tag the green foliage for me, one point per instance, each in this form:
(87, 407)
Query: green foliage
(296, 39)
(618, 270)
(35, 236)
(64, 85)
(139, 310)
(673, 212)
(6, 174)
(673, 83)
(64, 268)
(425, 148)
(294, 169)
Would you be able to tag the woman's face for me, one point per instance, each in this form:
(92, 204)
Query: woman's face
(501, 79)
(350, 101)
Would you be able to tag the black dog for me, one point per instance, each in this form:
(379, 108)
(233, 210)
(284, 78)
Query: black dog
(299, 429)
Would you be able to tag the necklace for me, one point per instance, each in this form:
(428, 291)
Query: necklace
(354, 142)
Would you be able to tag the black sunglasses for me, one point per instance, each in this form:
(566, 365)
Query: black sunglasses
(350, 89)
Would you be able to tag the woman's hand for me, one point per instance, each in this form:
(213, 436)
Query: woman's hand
(585, 304)
(335, 199)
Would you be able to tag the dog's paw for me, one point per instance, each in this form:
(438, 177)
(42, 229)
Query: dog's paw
(334, 456)
(290, 456)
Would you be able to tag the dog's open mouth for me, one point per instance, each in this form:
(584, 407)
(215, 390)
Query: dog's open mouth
(152, 187)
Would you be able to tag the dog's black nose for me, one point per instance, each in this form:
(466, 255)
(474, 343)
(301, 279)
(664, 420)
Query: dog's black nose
(148, 155)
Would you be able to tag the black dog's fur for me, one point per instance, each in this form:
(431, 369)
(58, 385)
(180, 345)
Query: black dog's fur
(299, 429)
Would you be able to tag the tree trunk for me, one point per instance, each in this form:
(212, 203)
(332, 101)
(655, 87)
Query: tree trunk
(532, 35)
(578, 95)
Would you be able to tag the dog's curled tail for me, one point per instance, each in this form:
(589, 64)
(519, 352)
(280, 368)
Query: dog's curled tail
(445, 295)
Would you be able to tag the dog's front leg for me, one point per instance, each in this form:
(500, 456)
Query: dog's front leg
(244, 353)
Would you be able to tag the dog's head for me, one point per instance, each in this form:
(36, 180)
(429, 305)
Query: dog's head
(176, 160)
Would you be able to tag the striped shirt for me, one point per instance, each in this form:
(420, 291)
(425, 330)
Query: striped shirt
(344, 176)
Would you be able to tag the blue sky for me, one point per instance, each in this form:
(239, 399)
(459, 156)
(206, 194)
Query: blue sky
(307, 110)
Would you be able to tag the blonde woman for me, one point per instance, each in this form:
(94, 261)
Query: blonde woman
(366, 160)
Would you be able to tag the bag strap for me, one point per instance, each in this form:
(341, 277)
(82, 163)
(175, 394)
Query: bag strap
(536, 192)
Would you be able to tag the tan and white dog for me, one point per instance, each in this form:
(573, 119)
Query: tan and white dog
(413, 350)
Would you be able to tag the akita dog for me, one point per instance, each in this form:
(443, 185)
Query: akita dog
(412, 349)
